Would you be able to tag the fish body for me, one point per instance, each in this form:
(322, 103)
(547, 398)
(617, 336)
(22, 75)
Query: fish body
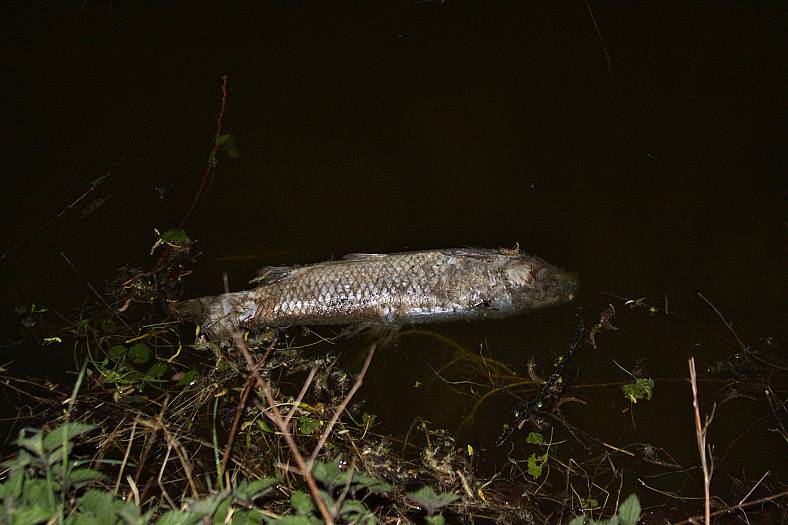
(389, 290)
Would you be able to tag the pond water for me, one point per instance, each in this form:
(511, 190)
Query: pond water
(382, 127)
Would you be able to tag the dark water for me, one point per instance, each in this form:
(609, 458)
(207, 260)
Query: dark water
(383, 127)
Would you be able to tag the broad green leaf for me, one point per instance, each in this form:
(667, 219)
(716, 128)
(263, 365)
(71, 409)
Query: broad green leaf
(11, 489)
(207, 506)
(534, 438)
(140, 353)
(84, 475)
(302, 502)
(352, 507)
(31, 515)
(329, 474)
(642, 388)
(579, 520)
(431, 501)
(67, 432)
(34, 444)
(435, 520)
(248, 491)
(295, 520)
(179, 517)
(535, 465)
(307, 425)
(175, 235)
(362, 481)
(100, 504)
(188, 377)
(157, 370)
(629, 510)
(117, 352)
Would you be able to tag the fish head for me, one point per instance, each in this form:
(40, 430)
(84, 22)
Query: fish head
(533, 283)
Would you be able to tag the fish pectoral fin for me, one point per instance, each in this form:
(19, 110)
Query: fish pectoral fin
(269, 274)
(356, 256)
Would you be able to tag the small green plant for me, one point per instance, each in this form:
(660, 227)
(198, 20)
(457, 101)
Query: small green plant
(431, 501)
(641, 388)
(41, 476)
(340, 490)
(628, 514)
(537, 462)
(44, 486)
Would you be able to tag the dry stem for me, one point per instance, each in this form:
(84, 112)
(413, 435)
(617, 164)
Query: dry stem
(700, 433)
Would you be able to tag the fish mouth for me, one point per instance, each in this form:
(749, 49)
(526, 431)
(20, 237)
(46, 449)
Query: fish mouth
(556, 286)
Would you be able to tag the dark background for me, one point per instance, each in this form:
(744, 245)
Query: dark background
(384, 126)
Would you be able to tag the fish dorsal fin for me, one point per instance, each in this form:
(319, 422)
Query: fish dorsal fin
(358, 256)
(270, 274)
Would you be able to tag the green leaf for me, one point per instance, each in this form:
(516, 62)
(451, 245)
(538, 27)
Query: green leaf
(207, 506)
(11, 489)
(83, 476)
(642, 388)
(361, 481)
(535, 465)
(294, 520)
(264, 426)
(329, 474)
(435, 520)
(117, 352)
(307, 425)
(34, 444)
(100, 504)
(157, 370)
(431, 501)
(140, 353)
(579, 520)
(188, 377)
(248, 491)
(227, 144)
(65, 432)
(175, 235)
(31, 515)
(534, 438)
(179, 517)
(629, 510)
(302, 502)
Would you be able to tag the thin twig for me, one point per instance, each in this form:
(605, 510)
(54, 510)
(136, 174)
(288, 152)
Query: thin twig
(601, 40)
(341, 407)
(754, 487)
(207, 175)
(125, 457)
(727, 324)
(234, 429)
(301, 394)
(740, 506)
(700, 433)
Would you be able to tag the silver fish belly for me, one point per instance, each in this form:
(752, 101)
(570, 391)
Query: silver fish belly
(390, 290)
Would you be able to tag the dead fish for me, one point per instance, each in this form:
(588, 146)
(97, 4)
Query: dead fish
(389, 291)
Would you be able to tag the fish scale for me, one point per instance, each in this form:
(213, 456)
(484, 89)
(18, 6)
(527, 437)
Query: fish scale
(389, 290)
